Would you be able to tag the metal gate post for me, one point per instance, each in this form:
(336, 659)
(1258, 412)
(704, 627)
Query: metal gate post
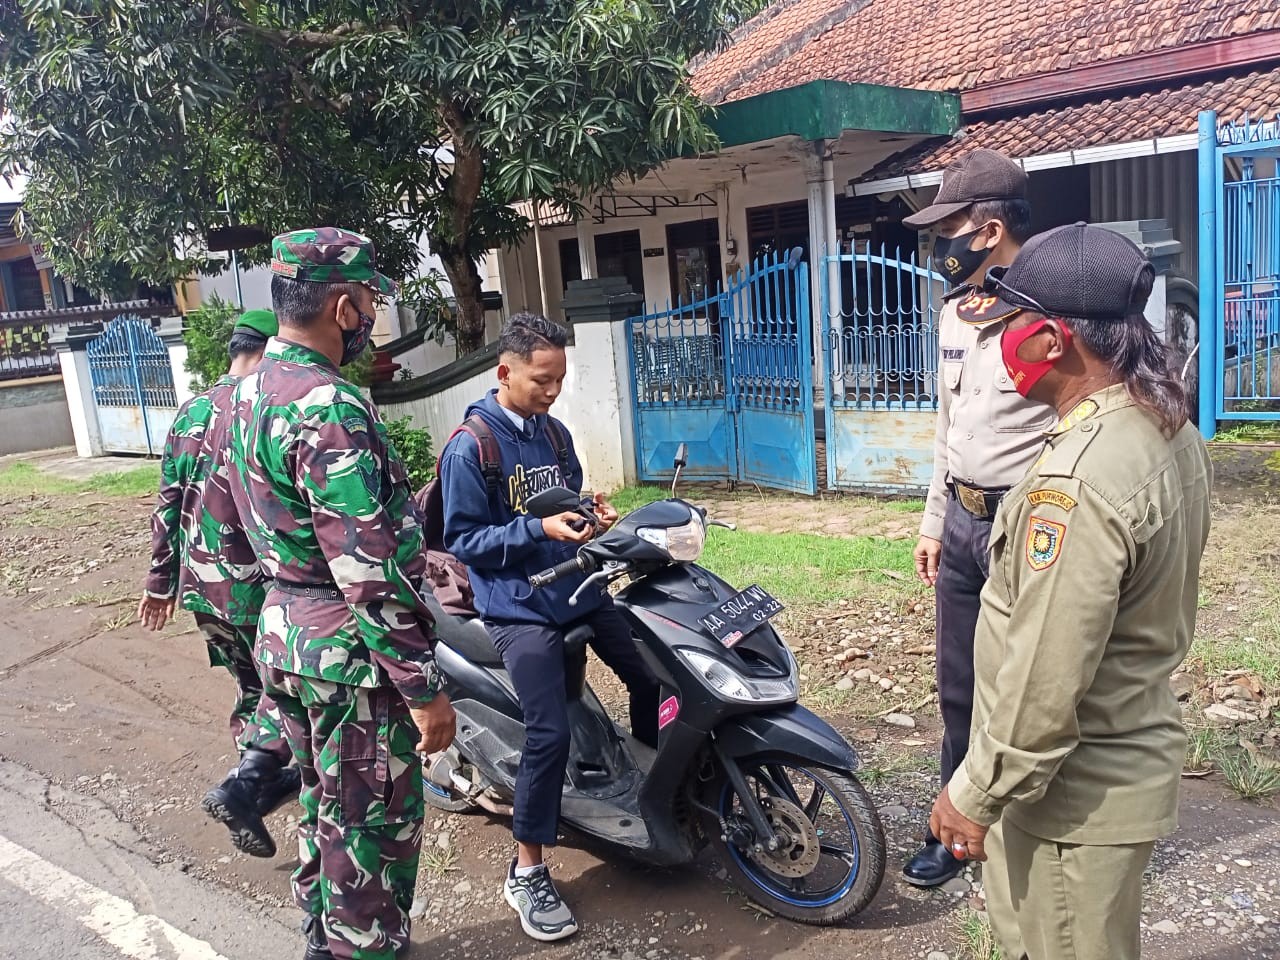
(138, 392)
(1211, 320)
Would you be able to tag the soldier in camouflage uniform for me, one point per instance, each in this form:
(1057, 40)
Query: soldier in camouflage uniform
(200, 557)
(345, 640)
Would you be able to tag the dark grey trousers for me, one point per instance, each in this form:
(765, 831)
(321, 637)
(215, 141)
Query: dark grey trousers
(962, 572)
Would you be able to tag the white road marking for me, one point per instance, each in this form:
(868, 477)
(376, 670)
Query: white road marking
(140, 936)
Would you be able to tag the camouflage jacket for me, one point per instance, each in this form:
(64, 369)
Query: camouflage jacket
(325, 499)
(199, 551)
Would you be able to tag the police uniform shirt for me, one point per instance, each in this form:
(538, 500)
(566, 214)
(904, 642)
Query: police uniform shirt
(1090, 606)
(987, 433)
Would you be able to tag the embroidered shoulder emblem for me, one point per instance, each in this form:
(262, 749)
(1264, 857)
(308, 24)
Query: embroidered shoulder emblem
(1055, 497)
(1044, 542)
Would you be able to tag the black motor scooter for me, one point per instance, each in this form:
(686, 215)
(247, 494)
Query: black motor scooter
(739, 763)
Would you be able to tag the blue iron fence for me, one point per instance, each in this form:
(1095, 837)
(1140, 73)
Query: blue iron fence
(731, 376)
(132, 386)
(880, 339)
(1239, 271)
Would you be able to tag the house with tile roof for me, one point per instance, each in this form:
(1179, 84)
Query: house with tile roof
(836, 120)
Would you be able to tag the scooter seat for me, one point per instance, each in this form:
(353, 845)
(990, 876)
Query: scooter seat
(467, 638)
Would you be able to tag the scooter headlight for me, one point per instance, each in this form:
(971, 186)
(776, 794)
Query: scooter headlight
(682, 544)
(728, 682)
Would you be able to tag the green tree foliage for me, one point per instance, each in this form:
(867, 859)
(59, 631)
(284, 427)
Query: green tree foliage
(207, 332)
(137, 121)
(414, 446)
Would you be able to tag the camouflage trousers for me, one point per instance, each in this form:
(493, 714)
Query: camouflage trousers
(255, 720)
(361, 828)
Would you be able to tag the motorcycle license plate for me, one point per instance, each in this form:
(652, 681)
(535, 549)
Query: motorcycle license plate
(732, 620)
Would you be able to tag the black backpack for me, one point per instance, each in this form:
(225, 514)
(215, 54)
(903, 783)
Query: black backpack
(446, 575)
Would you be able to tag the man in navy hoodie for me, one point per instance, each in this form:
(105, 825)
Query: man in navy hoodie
(493, 534)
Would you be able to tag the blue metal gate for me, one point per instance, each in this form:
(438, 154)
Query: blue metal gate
(880, 338)
(1239, 271)
(132, 387)
(731, 376)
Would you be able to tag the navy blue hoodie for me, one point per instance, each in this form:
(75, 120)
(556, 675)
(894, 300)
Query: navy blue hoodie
(493, 535)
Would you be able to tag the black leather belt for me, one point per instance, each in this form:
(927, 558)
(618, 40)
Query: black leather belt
(313, 591)
(981, 502)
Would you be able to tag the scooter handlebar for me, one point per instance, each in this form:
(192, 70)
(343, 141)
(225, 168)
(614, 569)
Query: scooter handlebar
(548, 577)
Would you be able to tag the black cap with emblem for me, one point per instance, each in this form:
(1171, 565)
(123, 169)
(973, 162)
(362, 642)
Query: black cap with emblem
(977, 176)
(1078, 271)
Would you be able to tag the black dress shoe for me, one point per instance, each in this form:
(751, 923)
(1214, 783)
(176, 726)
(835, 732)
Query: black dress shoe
(932, 866)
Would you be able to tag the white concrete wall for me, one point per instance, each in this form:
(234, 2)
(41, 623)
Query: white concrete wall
(591, 406)
(79, 386)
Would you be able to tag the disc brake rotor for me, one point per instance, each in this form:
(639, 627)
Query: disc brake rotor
(800, 849)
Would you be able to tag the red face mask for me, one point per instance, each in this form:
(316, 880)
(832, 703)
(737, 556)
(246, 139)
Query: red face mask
(1026, 374)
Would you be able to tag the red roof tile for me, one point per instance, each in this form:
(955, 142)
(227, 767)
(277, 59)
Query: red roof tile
(957, 44)
(1144, 116)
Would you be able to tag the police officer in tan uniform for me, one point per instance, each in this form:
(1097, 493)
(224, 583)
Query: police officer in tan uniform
(1077, 741)
(987, 437)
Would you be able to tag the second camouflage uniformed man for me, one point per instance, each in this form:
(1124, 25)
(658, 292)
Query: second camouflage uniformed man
(1077, 742)
(345, 640)
(201, 558)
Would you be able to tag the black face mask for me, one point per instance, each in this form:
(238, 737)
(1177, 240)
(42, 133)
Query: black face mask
(354, 341)
(952, 256)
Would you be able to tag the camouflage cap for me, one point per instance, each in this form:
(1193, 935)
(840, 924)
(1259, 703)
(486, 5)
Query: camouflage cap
(261, 322)
(329, 255)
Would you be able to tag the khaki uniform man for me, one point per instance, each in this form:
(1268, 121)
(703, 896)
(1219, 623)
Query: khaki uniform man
(1077, 741)
(987, 436)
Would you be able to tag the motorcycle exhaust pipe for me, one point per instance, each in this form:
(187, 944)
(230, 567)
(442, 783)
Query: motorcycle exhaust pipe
(444, 769)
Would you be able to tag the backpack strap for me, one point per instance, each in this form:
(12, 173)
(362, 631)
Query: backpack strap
(560, 443)
(486, 446)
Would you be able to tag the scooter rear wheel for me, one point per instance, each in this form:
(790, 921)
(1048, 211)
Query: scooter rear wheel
(833, 858)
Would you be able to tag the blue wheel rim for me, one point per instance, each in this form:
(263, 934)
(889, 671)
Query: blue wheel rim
(781, 893)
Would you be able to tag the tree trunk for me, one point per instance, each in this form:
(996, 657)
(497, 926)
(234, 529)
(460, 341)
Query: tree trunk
(462, 191)
(465, 279)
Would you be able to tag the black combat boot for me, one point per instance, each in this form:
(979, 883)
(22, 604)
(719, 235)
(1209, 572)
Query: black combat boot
(280, 791)
(317, 942)
(235, 802)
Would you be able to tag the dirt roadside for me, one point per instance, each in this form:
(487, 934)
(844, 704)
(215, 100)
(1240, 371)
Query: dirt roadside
(90, 701)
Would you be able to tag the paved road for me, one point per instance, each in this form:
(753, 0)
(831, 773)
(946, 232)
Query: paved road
(75, 882)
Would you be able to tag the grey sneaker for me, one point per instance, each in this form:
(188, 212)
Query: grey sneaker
(543, 914)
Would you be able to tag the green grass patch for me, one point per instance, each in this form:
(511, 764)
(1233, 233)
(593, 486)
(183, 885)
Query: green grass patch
(802, 567)
(794, 567)
(632, 498)
(975, 938)
(1259, 655)
(1255, 431)
(1249, 778)
(24, 478)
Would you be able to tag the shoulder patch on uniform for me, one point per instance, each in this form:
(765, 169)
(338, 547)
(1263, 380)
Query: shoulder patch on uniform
(1055, 497)
(355, 424)
(1044, 542)
(953, 353)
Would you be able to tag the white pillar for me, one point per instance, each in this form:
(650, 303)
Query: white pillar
(596, 407)
(541, 261)
(586, 250)
(170, 333)
(820, 174)
(78, 383)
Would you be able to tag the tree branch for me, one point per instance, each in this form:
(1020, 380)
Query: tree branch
(306, 39)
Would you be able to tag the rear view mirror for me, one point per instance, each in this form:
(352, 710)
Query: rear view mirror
(551, 502)
(682, 456)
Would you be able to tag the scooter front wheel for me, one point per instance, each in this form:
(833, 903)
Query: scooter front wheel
(831, 857)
